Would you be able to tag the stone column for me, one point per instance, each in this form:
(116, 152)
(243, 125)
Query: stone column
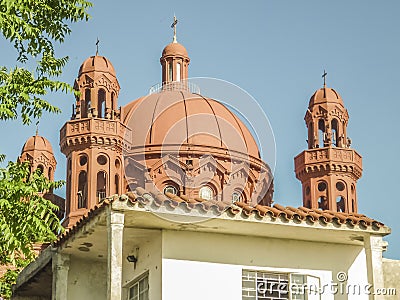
(374, 246)
(115, 228)
(60, 266)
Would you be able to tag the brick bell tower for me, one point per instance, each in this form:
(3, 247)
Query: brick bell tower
(329, 168)
(92, 139)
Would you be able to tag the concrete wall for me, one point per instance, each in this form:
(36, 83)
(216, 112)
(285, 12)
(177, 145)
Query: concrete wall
(147, 249)
(391, 273)
(209, 266)
(87, 279)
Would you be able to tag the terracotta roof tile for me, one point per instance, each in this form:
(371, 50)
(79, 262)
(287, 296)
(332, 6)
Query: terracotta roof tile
(145, 198)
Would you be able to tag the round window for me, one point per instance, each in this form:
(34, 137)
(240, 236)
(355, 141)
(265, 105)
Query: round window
(102, 160)
(322, 186)
(170, 189)
(206, 193)
(340, 186)
(83, 160)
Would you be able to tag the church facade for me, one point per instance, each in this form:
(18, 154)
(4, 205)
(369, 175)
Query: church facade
(168, 198)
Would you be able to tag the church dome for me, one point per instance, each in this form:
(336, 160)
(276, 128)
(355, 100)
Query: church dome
(180, 118)
(174, 49)
(37, 143)
(97, 63)
(325, 95)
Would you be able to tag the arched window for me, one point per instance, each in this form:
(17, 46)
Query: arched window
(85, 106)
(169, 71)
(112, 101)
(206, 193)
(178, 71)
(116, 179)
(101, 104)
(311, 141)
(101, 185)
(321, 133)
(82, 190)
(334, 126)
(322, 203)
(237, 197)
(340, 204)
(41, 169)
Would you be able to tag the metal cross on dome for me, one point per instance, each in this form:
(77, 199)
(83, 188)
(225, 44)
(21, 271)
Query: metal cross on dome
(324, 76)
(173, 25)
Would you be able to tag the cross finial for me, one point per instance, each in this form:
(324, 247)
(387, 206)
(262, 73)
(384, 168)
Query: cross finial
(97, 46)
(173, 25)
(324, 76)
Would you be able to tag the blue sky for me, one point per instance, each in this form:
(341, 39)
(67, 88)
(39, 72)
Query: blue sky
(276, 51)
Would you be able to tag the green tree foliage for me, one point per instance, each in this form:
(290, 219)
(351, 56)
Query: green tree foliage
(33, 27)
(25, 216)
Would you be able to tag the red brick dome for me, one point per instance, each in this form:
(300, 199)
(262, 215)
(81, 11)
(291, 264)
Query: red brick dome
(38, 143)
(175, 49)
(97, 63)
(325, 95)
(180, 118)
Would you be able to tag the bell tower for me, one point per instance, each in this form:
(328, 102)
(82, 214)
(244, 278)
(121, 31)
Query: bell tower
(92, 139)
(329, 168)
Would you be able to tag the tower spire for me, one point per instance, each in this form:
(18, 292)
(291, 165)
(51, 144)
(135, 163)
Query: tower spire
(328, 169)
(173, 25)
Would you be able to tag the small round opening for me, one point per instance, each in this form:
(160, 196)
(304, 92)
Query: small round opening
(340, 186)
(170, 189)
(321, 186)
(102, 160)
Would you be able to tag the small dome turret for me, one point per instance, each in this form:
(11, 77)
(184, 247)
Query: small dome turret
(97, 63)
(325, 95)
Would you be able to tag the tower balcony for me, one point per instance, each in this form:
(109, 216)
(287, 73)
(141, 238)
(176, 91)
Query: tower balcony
(93, 130)
(328, 159)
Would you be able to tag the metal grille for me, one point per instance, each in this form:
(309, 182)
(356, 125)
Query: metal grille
(264, 286)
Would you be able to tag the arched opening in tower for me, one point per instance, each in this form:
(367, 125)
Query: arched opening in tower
(101, 185)
(321, 133)
(82, 190)
(101, 105)
(334, 126)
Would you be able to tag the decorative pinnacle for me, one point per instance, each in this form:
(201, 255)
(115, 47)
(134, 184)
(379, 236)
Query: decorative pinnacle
(173, 25)
(97, 46)
(324, 76)
(37, 128)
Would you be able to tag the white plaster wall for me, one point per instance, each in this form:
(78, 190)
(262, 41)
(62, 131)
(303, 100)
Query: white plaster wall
(149, 260)
(209, 266)
(87, 279)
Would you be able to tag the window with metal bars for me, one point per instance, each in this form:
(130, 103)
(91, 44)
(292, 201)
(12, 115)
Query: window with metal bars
(261, 285)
